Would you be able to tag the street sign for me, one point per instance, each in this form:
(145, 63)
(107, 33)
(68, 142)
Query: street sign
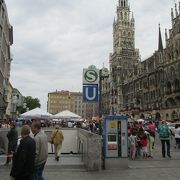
(90, 93)
(90, 76)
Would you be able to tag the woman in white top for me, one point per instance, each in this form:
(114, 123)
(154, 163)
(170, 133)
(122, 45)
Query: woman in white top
(177, 135)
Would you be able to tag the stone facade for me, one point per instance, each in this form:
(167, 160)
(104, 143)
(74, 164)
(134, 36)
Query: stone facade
(124, 56)
(150, 88)
(6, 40)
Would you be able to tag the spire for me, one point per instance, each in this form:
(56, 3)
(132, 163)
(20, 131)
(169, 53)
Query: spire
(132, 16)
(160, 45)
(176, 11)
(132, 19)
(172, 14)
(114, 20)
(166, 36)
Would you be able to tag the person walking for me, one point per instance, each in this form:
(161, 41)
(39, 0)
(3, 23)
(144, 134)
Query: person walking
(41, 150)
(57, 139)
(164, 136)
(133, 145)
(177, 136)
(12, 136)
(151, 139)
(24, 157)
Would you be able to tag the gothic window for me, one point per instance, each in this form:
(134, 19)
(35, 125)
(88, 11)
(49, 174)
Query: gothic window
(176, 52)
(169, 88)
(177, 85)
(178, 69)
(172, 74)
(121, 15)
(0, 31)
(125, 15)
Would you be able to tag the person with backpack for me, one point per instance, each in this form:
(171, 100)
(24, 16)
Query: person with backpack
(57, 138)
(164, 136)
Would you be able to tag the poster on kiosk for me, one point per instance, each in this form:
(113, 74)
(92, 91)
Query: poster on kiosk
(115, 136)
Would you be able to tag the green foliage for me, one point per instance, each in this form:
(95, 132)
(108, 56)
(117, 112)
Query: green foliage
(20, 109)
(31, 102)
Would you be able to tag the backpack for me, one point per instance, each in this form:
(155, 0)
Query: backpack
(151, 133)
(164, 131)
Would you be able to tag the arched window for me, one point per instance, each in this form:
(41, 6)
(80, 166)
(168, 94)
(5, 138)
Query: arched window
(121, 3)
(121, 15)
(125, 15)
(177, 85)
(172, 73)
(178, 69)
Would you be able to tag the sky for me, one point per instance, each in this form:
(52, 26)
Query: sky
(54, 40)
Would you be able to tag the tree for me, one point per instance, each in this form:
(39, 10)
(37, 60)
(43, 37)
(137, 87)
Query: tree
(31, 102)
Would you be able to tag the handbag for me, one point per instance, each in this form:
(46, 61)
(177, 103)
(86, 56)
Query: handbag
(53, 137)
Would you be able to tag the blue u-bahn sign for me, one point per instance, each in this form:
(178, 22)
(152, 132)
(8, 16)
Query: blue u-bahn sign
(90, 93)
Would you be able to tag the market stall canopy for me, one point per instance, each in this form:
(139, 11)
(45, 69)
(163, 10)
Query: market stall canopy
(140, 120)
(67, 114)
(36, 113)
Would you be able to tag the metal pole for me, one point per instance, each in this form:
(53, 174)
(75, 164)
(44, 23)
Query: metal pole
(100, 117)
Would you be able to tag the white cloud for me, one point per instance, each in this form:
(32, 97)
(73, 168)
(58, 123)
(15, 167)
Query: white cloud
(55, 40)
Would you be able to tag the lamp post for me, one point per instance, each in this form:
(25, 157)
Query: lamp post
(102, 75)
(14, 107)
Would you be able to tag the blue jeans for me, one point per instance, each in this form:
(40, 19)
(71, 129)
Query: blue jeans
(38, 171)
(167, 142)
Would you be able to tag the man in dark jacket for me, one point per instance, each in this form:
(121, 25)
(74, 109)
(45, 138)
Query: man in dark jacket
(24, 158)
(12, 136)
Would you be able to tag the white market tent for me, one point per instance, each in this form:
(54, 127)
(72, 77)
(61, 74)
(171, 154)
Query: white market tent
(68, 115)
(140, 120)
(36, 113)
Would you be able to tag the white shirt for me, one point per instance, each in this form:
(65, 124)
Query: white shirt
(177, 132)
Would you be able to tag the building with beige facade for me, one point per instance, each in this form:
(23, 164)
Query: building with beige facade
(6, 40)
(65, 100)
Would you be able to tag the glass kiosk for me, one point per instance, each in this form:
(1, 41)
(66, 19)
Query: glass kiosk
(115, 141)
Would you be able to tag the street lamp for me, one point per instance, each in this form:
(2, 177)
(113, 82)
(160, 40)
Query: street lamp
(103, 73)
(14, 106)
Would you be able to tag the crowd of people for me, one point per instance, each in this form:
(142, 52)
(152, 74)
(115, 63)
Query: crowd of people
(29, 156)
(142, 137)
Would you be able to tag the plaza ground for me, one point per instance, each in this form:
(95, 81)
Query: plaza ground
(70, 167)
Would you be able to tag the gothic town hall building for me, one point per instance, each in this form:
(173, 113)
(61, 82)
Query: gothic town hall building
(143, 88)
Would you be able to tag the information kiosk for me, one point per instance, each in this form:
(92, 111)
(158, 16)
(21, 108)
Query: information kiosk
(115, 141)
